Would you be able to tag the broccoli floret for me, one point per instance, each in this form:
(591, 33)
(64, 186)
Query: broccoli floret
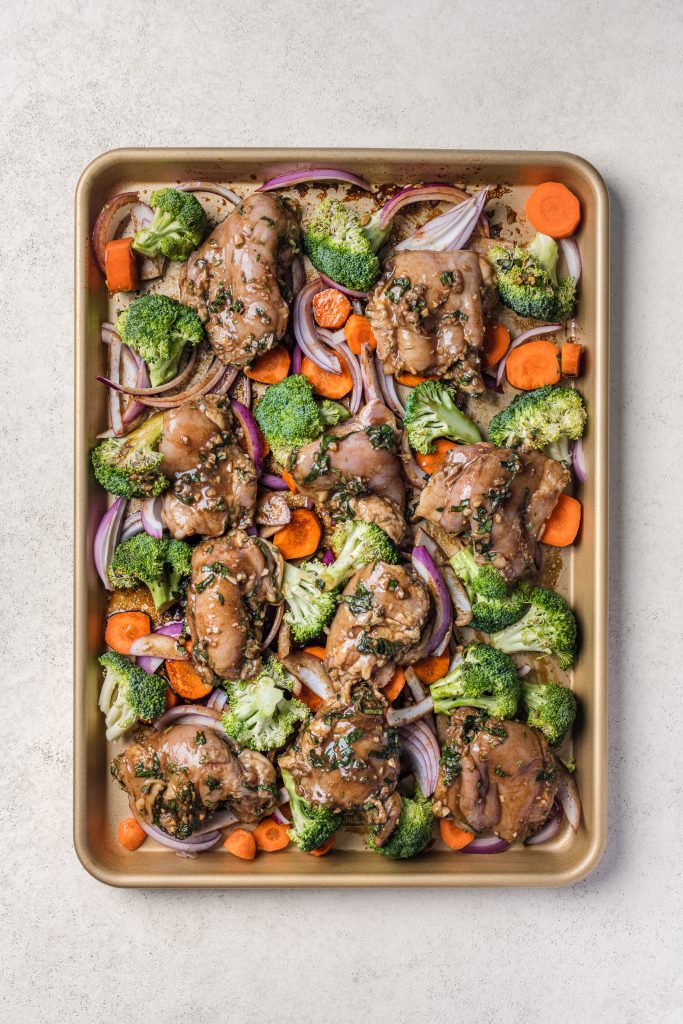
(289, 416)
(551, 708)
(527, 281)
(413, 829)
(484, 678)
(538, 419)
(130, 466)
(158, 563)
(548, 627)
(309, 608)
(158, 328)
(128, 694)
(431, 412)
(177, 228)
(332, 413)
(355, 544)
(312, 824)
(341, 248)
(493, 605)
(261, 713)
(493, 613)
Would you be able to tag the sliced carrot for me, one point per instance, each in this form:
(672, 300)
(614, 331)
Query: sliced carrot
(395, 685)
(428, 670)
(310, 699)
(331, 309)
(241, 844)
(170, 698)
(411, 380)
(533, 365)
(329, 385)
(301, 536)
(570, 359)
(185, 681)
(325, 848)
(553, 210)
(130, 834)
(358, 332)
(316, 651)
(431, 463)
(271, 367)
(125, 627)
(270, 835)
(290, 481)
(121, 266)
(562, 525)
(496, 343)
(453, 836)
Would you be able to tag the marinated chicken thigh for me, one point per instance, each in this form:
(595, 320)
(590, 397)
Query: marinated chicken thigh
(177, 778)
(380, 619)
(495, 774)
(239, 280)
(234, 578)
(385, 513)
(427, 314)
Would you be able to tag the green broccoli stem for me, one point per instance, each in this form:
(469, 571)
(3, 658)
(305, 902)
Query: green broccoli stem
(162, 593)
(544, 248)
(376, 235)
(161, 225)
(163, 370)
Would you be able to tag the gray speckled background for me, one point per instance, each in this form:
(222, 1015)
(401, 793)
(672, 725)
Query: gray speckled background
(77, 78)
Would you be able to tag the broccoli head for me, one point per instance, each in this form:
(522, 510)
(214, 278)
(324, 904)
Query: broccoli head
(128, 694)
(540, 419)
(493, 613)
(527, 281)
(160, 564)
(341, 248)
(261, 713)
(412, 832)
(551, 708)
(549, 627)
(494, 606)
(312, 824)
(309, 607)
(158, 328)
(431, 412)
(332, 413)
(289, 417)
(484, 678)
(177, 228)
(355, 544)
(131, 466)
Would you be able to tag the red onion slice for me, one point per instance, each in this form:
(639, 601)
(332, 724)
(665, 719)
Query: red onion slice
(310, 671)
(191, 846)
(305, 330)
(132, 526)
(420, 750)
(218, 699)
(313, 174)
(368, 368)
(356, 396)
(150, 515)
(209, 381)
(115, 415)
(181, 710)
(211, 187)
(275, 626)
(419, 194)
(226, 381)
(328, 557)
(221, 819)
(279, 817)
(412, 713)
(106, 539)
(579, 461)
(341, 288)
(568, 793)
(549, 830)
(146, 392)
(486, 844)
(104, 227)
(388, 388)
(296, 359)
(150, 664)
(135, 408)
(252, 434)
(274, 482)
(572, 257)
(298, 275)
(416, 477)
(519, 340)
(451, 230)
(430, 573)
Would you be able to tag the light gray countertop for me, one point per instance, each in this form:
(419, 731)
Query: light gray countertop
(597, 78)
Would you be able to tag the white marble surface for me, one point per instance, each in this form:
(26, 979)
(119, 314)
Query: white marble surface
(600, 78)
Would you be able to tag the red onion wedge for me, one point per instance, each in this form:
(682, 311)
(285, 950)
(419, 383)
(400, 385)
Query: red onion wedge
(328, 557)
(105, 225)
(132, 526)
(149, 663)
(297, 356)
(107, 537)
(305, 330)
(388, 388)
(215, 371)
(140, 392)
(310, 671)
(414, 684)
(189, 847)
(135, 408)
(252, 434)
(313, 174)
(451, 230)
(486, 844)
(572, 257)
(519, 340)
(150, 515)
(340, 288)
(420, 750)
(419, 194)
(579, 461)
(356, 396)
(212, 718)
(549, 830)
(212, 187)
(412, 713)
(568, 794)
(115, 415)
(368, 369)
(274, 482)
(218, 699)
(430, 573)
(298, 275)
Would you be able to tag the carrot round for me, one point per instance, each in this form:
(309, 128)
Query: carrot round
(553, 210)
(241, 843)
(130, 834)
(434, 667)
(121, 266)
(496, 343)
(395, 685)
(358, 332)
(431, 463)
(301, 536)
(325, 848)
(316, 651)
(329, 385)
(533, 365)
(185, 681)
(570, 359)
(562, 525)
(125, 627)
(290, 481)
(170, 698)
(271, 367)
(270, 835)
(411, 380)
(331, 309)
(453, 836)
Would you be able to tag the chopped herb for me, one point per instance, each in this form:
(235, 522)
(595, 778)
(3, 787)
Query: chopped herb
(200, 739)
(447, 278)
(361, 601)
(381, 437)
